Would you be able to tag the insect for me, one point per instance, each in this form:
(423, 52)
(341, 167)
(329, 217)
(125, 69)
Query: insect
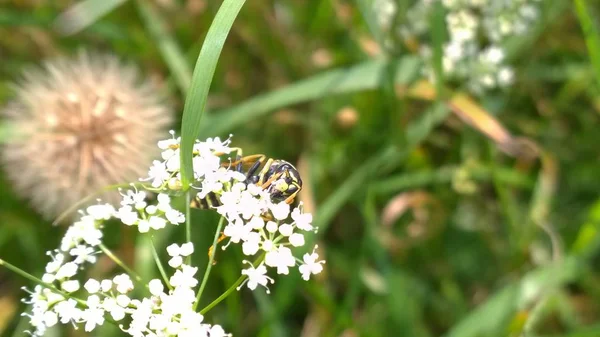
(278, 177)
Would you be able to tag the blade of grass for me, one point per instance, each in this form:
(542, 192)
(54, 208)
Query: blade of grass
(366, 10)
(438, 31)
(173, 56)
(591, 33)
(364, 76)
(490, 318)
(204, 71)
(444, 175)
(83, 14)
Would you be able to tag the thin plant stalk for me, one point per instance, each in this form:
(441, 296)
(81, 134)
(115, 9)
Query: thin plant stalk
(36, 280)
(228, 292)
(119, 262)
(188, 224)
(161, 269)
(211, 260)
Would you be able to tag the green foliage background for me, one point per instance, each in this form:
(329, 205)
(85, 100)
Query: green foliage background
(494, 231)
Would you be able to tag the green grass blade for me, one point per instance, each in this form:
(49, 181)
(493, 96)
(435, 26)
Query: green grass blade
(173, 55)
(438, 31)
(364, 76)
(494, 315)
(366, 9)
(84, 14)
(591, 33)
(204, 71)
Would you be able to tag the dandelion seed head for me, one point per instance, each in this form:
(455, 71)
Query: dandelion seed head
(80, 124)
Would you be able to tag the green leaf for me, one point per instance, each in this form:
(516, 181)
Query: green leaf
(83, 14)
(171, 53)
(592, 35)
(364, 76)
(204, 71)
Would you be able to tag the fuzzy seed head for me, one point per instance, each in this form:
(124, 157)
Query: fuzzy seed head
(80, 124)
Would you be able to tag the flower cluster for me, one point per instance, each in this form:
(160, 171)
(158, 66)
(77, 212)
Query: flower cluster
(254, 220)
(477, 31)
(163, 313)
(262, 226)
(135, 211)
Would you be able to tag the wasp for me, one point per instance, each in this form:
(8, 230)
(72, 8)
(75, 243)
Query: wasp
(280, 178)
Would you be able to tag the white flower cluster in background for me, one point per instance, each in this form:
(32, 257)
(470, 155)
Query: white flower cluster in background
(253, 219)
(477, 31)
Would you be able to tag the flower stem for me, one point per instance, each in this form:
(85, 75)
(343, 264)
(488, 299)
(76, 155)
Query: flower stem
(118, 261)
(161, 269)
(224, 295)
(188, 224)
(211, 259)
(36, 280)
(233, 287)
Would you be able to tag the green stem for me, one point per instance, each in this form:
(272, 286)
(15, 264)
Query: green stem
(34, 279)
(188, 224)
(231, 289)
(118, 261)
(224, 295)
(161, 269)
(211, 259)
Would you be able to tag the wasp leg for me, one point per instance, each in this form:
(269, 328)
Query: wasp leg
(289, 200)
(212, 248)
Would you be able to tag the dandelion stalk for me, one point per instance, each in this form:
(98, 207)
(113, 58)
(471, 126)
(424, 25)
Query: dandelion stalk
(161, 269)
(36, 280)
(211, 260)
(119, 262)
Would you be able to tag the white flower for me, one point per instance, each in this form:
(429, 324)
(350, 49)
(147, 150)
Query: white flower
(174, 216)
(156, 222)
(68, 311)
(302, 220)
(92, 286)
(83, 254)
(116, 311)
(297, 240)
(101, 212)
(256, 276)
(158, 174)
(94, 314)
(123, 283)
(133, 198)
(106, 285)
(175, 261)
(252, 244)
(280, 211)
(156, 287)
(143, 226)
(237, 230)
(184, 277)
(311, 266)
(127, 215)
(67, 270)
(57, 261)
(281, 258)
(50, 318)
(70, 286)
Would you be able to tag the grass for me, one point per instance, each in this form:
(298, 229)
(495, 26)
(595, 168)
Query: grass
(495, 196)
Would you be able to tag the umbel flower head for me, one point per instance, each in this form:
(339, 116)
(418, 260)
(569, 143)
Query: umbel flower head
(80, 124)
